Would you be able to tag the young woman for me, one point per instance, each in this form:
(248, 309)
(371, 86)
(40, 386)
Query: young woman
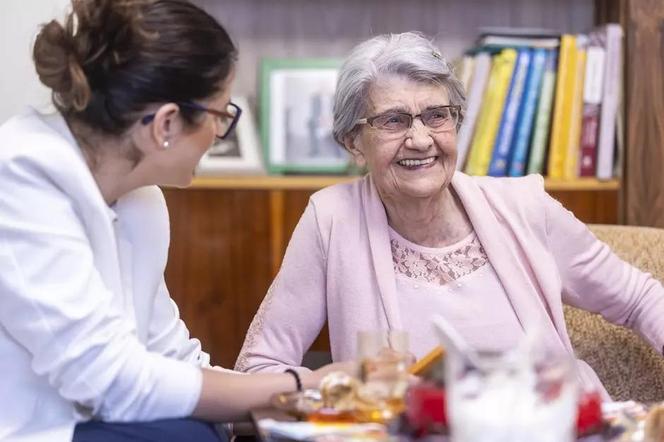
(92, 346)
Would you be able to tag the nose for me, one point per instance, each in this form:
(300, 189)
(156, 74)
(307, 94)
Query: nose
(418, 136)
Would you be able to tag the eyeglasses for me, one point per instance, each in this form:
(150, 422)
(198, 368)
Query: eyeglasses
(226, 120)
(440, 119)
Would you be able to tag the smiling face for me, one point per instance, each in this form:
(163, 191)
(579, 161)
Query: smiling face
(418, 163)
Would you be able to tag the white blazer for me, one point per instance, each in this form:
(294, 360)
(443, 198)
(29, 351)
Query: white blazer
(87, 327)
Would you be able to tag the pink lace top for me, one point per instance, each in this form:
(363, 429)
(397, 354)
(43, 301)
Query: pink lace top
(457, 282)
(437, 266)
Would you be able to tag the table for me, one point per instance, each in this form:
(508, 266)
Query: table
(278, 415)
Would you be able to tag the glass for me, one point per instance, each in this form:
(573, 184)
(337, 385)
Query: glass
(226, 120)
(510, 398)
(384, 360)
(440, 119)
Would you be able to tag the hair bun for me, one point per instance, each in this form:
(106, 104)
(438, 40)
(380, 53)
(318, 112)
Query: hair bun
(97, 35)
(58, 68)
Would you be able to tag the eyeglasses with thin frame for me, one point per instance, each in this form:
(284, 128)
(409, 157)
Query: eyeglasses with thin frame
(226, 120)
(439, 119)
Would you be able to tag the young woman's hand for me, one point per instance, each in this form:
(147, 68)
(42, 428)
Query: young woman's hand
(312, 379)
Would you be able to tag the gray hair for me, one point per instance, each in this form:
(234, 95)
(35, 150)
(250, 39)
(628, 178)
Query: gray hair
(409, 54)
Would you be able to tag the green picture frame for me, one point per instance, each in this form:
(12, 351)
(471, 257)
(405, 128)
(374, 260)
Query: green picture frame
(296, 97)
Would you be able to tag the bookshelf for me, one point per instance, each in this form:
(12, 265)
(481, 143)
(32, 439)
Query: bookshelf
(229, 233)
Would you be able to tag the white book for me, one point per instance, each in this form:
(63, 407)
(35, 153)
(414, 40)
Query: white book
(528, 42)
(466, 71)
(610, 99)
(594, 79)
(474, 103)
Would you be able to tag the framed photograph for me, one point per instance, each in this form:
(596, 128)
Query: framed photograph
(239, 153)
(296, 116)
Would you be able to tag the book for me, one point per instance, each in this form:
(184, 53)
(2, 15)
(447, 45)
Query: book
(570, 167)
(482, 67)
(611, 35)
(620, 127)
(519, 31)
(518, 37)
(502, 146)
(517, 42)
(464, 70)
(492, 108)
(538, 144)
(524, 125)
(592, 97)
(560, 126)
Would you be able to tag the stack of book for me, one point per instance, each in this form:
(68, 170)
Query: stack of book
(540, 102)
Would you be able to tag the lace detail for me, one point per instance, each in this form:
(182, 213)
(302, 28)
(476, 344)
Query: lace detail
(256, 328)
(438, 268)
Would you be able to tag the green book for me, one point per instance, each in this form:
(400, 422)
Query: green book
(543, 116)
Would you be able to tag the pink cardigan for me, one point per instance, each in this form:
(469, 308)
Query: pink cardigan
(338, 268)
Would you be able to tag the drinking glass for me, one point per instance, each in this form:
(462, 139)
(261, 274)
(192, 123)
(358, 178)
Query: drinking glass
(510, 397)
(384, 359)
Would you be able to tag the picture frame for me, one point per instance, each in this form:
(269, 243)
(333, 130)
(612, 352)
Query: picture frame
(297, 97)
(240, 154)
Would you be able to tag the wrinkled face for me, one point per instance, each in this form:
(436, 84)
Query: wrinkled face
(417, 163)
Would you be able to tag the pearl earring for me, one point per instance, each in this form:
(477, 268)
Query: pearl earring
(166, 144)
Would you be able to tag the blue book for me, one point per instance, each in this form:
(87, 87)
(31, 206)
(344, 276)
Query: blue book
(524, 125)
(501, 148)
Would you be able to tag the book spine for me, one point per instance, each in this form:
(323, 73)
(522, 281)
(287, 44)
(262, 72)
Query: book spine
(592, 97)
(562, 107)
(494, 101)
(527, 114)
(607, 122)
(576, 113)
(543, 115)
(501, 149)
(477, 87)
(467, 68)
(589, 130)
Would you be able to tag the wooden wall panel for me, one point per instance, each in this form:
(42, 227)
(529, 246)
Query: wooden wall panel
(219, 264)
(599, 207)
(222, 254)
(316, 28)
(644, 181)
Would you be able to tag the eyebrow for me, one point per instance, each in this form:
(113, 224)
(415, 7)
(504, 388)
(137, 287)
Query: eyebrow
(393, 109)
(402, 109)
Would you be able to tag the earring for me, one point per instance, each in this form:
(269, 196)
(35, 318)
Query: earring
(166, 144)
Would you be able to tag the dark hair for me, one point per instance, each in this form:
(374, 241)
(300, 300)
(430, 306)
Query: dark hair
(112, 58)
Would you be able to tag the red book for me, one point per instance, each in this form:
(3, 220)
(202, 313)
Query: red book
(589, 126)
(592, 102)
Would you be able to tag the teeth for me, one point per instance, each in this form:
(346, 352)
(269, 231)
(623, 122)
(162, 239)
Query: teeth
(413, 163)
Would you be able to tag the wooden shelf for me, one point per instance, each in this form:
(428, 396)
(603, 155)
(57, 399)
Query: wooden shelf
(270, 182)
(314, 182)
(581, 184)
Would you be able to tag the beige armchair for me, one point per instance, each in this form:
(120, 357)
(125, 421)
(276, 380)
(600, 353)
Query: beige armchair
(626, 364)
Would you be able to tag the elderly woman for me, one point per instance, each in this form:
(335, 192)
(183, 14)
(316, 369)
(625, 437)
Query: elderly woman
(414, 238)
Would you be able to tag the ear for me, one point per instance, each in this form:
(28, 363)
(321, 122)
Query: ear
(166, 124)
(351, 144)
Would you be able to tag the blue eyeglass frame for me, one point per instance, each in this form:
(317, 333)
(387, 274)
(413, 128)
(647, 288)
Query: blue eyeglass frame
(191, 105)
